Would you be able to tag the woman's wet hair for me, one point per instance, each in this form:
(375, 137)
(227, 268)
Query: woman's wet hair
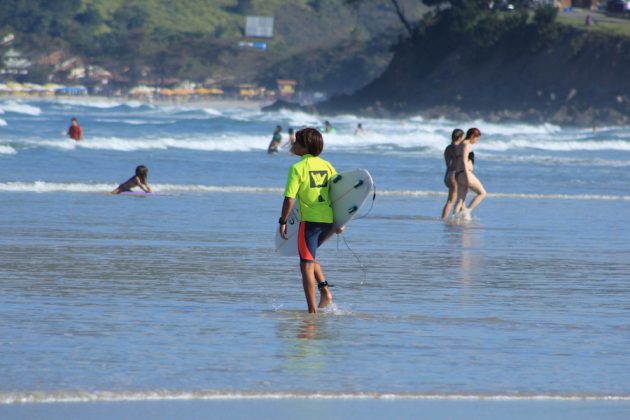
(458, 133)
(142, 172)
(473, 132)
(311, 139)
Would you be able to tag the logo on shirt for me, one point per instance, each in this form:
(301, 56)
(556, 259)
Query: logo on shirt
(319, 179)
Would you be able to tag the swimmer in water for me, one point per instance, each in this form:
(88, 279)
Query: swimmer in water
(138, 180)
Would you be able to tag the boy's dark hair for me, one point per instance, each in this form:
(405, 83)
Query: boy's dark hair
(473, 132)
(73, 119)
(311, 139)
(142, 172)
(457, 134)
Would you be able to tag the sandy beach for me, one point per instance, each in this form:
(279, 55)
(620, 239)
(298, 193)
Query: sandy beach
(308, 409)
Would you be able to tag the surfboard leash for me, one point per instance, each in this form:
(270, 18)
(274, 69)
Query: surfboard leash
(354, 254)
(356, 257)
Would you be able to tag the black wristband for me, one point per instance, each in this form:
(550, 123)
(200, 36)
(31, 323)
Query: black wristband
(282, 221)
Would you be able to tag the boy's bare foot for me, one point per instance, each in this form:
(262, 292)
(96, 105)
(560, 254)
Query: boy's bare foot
(326, 298)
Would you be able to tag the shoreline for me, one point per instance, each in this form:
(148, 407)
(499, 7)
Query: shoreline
(317, 409)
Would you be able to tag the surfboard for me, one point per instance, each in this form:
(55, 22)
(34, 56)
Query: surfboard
(348, 192)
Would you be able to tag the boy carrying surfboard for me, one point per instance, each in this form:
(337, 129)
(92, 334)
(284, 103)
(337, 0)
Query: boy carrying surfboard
(308, 182)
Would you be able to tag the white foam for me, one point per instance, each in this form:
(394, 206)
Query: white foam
(212, 112)
(523, 196)
(38, 397)
(224, 143)
(20, 108)
(3, 123)
(90, 103)
(7, 150)
(48, 187)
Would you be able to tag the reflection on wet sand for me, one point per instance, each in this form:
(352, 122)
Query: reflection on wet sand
(466, 245)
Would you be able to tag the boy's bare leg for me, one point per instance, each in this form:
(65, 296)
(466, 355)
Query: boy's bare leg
(309, 284)
(326, 296)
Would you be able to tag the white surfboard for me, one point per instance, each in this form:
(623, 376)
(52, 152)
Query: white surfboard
(348, 192)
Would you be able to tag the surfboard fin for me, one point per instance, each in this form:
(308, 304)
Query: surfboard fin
(358, 184)
(336, 179)
(352, 209)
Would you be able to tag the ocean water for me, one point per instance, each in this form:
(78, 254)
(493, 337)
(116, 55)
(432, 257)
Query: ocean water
(180, 296)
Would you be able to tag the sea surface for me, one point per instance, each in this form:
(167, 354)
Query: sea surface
(180, 296)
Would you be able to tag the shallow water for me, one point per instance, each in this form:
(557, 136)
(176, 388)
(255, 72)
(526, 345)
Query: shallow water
(182, 292)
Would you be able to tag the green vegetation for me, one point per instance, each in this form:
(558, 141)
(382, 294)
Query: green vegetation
(603, 26)
(197, 39)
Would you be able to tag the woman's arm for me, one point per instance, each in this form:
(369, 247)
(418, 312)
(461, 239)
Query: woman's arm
(467, 163)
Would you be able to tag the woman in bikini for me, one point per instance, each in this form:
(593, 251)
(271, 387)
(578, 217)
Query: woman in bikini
(464, 175)
(449, 177)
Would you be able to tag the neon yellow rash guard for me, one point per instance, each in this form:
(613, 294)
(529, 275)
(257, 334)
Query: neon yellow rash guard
(308, 181)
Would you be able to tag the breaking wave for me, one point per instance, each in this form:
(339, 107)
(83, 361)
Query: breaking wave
(19, 108)
(53, 187)
(7, 150)
(164, 395)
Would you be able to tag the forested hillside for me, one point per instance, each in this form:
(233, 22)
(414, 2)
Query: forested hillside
(324, 44)
(469, 62)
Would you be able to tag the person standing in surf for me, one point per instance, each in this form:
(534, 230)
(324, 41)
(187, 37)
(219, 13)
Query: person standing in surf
(449, 177)
(138, 180)
(465, 177)
(308, 181)
(275, 140)
(75, 132)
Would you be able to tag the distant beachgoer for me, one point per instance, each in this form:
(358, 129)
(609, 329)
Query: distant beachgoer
(275, 140)
(588, 21)
(291, 140)
(328, 128)
(75, 132)
(359, 131)
(308, 182)
(449, 177)
(138, 180)
(291, 137)
(464, 175)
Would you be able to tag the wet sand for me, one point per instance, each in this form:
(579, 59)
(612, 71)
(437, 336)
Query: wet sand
(323, 409)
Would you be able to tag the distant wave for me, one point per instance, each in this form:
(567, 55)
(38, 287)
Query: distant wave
(596, 197)
(50, 187)
(555, 146)
(426, 142)
(7, 150)
(100, 103)
(164, 395)
(223, 143)
(233, 129)
(2, 122)
(19, 108)
(136, 121)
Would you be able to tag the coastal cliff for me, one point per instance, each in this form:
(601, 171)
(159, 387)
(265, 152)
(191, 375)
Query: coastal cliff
(532, 73)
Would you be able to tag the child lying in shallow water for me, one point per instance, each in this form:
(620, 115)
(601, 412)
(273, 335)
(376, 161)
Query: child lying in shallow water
(138, 180)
